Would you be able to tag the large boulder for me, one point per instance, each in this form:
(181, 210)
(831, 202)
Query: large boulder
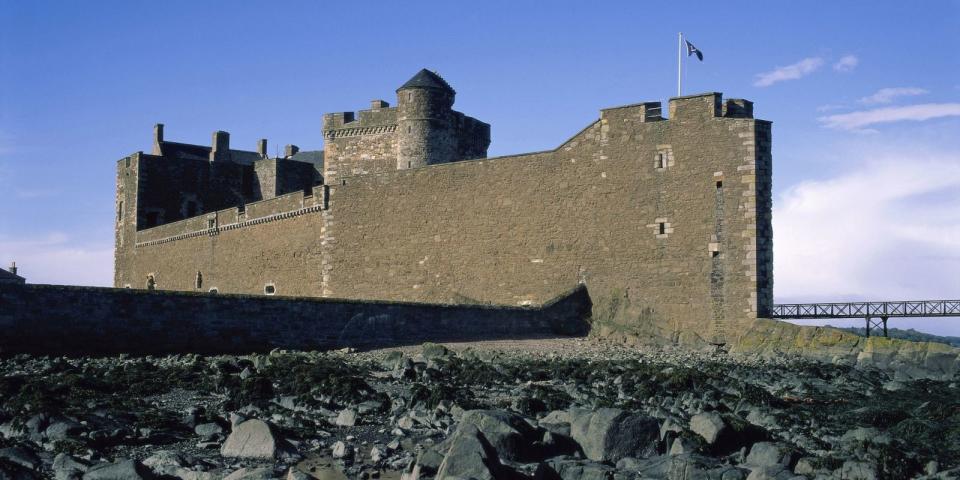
(245, 473)
(433, 351)
(347, 418)
(509, 434)
(566, 468)
(62, 429)
(14, 471)
(171, 463)
(252, 439)
(429, 461)
(854, 470)
(119, 470)
(471, 456)
(686, 467)
(208, 431)
(66, 467)
(556, 444)
(21, 456)
(854, 438)
(770, 454)
(708, 425)
(294, 474)
(609, 434)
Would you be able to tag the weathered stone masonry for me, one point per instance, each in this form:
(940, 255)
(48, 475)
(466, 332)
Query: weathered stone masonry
(665, 219)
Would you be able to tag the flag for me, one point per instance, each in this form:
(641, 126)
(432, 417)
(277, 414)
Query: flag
(691, 50)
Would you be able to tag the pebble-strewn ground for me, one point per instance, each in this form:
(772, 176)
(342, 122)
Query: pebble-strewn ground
(545, 409)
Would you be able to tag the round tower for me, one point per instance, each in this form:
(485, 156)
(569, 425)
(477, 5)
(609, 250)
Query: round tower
(425, 134)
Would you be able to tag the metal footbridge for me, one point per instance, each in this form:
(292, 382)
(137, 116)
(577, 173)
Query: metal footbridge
(876, 314)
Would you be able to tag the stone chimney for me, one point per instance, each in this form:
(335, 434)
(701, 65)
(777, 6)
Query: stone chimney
(13, 268)
(290, 150)
(220, 150)
(378, 104)
(157, 138)
(262, 147)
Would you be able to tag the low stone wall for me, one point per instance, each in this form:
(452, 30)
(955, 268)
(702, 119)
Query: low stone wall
(63, 320)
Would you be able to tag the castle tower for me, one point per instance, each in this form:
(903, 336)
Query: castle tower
(425, 130)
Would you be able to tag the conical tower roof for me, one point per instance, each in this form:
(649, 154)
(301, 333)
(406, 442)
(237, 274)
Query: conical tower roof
(427, 79)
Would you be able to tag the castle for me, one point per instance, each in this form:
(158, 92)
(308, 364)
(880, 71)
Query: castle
(665, 219)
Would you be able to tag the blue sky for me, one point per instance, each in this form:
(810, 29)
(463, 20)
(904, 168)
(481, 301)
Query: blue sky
(864, 96)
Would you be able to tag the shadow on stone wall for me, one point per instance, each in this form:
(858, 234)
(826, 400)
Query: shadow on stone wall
(66, 320)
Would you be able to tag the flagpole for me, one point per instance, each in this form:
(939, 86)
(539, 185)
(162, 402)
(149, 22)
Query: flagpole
(679, 61)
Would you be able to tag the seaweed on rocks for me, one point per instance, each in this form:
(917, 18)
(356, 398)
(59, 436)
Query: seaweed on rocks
(430, 395)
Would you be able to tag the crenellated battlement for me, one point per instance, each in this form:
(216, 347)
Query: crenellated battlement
(256, 213)
(381, 115)
(709, 105)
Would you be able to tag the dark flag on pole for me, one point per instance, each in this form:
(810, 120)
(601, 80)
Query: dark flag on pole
(691, 50)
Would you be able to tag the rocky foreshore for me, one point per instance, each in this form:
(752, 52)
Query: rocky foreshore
(541, 409)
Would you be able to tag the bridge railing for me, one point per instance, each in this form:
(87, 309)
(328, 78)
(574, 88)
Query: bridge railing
(918, 308)
(876, 314)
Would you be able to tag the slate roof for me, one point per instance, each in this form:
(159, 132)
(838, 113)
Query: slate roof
(202, 152)
(184, 150)
(7, 277)
(427, 79)
(310, 156)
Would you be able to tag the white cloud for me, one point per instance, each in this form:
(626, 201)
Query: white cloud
(847, 63)
(829, 107)
(54, 258)
(887, 95)
(790, 72)
(888, 230)
(865, 118)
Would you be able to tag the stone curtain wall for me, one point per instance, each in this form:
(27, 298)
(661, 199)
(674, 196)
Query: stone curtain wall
(59, 320)
(666, 221)
(518, 230)
(274, 242)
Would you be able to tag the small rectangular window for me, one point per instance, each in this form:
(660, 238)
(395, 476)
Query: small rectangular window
(660, 163)
(662, 228)
(269, 289)
(719, 184)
